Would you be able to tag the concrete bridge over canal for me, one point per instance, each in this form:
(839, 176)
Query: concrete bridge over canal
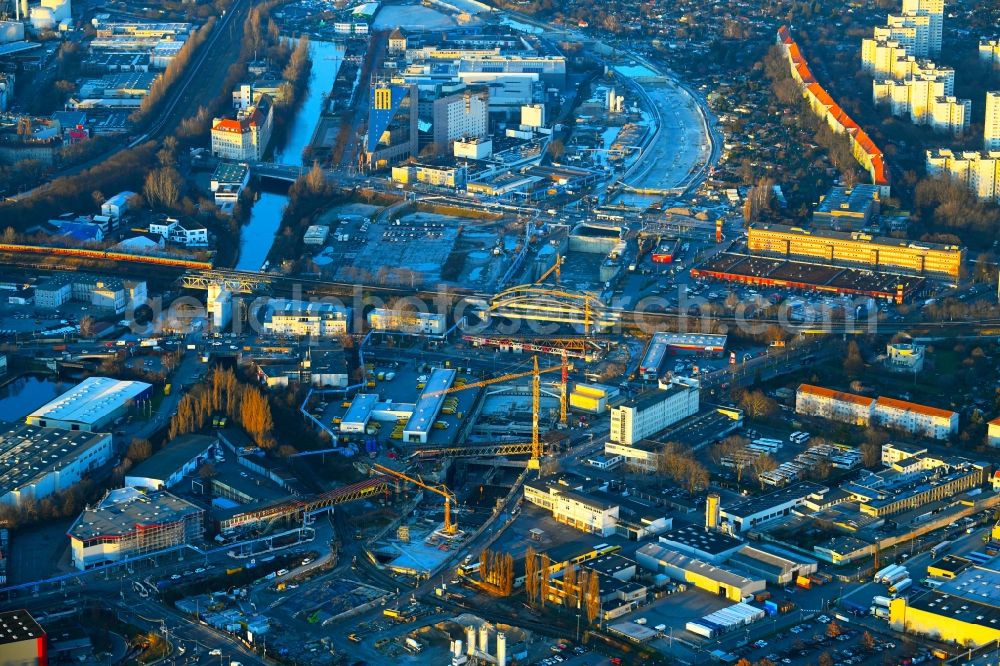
(284, 172)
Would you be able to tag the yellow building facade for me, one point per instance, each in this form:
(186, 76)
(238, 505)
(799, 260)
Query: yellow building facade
(857, 249)
(903, 617)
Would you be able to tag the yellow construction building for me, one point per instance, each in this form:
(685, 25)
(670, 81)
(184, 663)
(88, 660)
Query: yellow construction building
(857, 249)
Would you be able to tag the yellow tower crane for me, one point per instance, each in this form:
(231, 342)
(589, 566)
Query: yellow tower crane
(450, 526)
(535, 374)
(563, 419)
(498, 380)
(536, 446)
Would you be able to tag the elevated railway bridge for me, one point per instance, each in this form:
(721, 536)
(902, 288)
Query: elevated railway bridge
(555, 306)
(297, 509)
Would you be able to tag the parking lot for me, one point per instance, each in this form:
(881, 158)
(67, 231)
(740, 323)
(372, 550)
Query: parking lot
(805, 643)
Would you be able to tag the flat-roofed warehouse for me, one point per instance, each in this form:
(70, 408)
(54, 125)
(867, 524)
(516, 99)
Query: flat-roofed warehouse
(428, 406)
(748, 513)
(91, 405)
(717, 580)
(128, 523)
(169, 465)
(772, 564)
(965, 610)
(857, 249)
(694, 540)
(22, 639)
(37, 462)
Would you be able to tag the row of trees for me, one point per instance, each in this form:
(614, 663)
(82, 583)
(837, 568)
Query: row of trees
(158, 91)
(125, 170)
(942, 204)
(54, 507)
(163, 186)
(496, 570)
(223, 393)
(580, 588)
(308, 194)
(679, 465)
(138, 450)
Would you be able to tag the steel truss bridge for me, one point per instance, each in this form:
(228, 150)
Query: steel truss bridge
(237, 282)
(572, 347)
(299, 508)
(475, 451)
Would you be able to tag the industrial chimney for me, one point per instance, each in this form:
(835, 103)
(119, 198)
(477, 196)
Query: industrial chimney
(470, 640)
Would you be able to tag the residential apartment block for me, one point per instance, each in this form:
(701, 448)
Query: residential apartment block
(991, 124)
(301, 319)
(245, 137)
(951, 114)
(978, 171)
(903, 79)
(934, 11)
(926, 97)
(185, 231)
(834, 405)
(823, 105)
(916, 419)
(909, 417)
(911, 31)
(879, 57)
(993, 432)
(989, 51)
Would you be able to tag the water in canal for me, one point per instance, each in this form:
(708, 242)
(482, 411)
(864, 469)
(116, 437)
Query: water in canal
(257, 236)
(26, 394)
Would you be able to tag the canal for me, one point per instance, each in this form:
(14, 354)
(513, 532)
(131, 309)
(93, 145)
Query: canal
(257, 235)
(26, 394)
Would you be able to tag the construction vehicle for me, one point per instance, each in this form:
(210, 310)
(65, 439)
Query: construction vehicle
(398, 614)
(450, 526)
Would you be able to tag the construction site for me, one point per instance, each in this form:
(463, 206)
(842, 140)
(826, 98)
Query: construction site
(453, 443)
